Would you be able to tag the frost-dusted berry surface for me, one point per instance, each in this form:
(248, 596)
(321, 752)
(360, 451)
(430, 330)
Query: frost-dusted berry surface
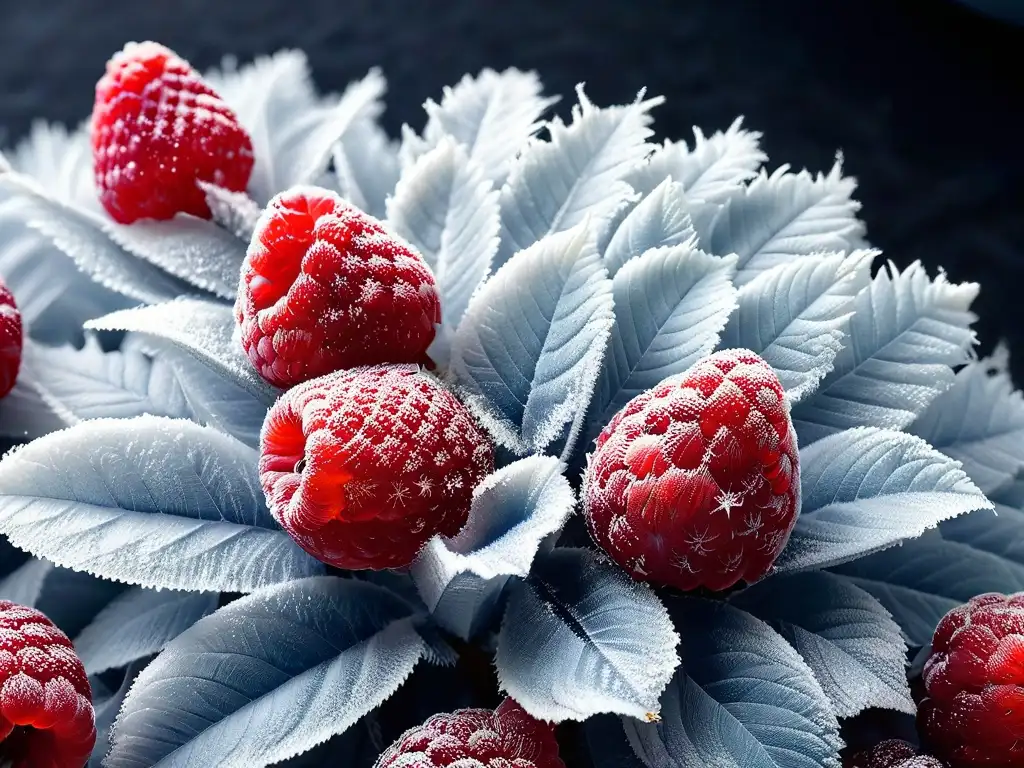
(893, 753)
(324, 286)
(11, 340)
(974, 679)
(46, 715)
(476, 738)
(363, 466)
(157, 129)
(696, 481)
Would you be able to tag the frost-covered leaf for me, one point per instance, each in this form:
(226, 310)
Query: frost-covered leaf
(794, 316)
(446, 207)
(492, 115)
(923, 579)
(979, 421)
(906, 334)
(194, 250)
(670, 305)
(580, 637)
(711, 171)
(268, 677)
(88, 383)
(867, 489)
(366, 166)
(80, 234)
(60, 160)
(743, 698)
(107, 705)
(999, 531)
(783, 216)
(203, 329)
(530, 349)
(846, 637)
(137, 624)
(514, 510)
(234, 211)
(553, 186)
(24, 415)
(659, 220)
(68, 598)
(151, 501)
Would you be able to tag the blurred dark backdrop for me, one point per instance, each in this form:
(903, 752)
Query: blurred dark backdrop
(924, 97)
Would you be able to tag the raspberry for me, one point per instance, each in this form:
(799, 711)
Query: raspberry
(157, 129)
(11, 340)
(46, 715)
(973, 711)
(362, 467)
(696, 481)
(324, 287)
(476, 738)
(893, 753)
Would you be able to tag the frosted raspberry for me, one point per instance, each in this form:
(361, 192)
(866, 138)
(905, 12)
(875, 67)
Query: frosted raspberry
(157, 129)
(324, 287)
(476, 738)
(696, 481)
(973, 712)
(11, 340)
(362, 467)
(46, 715)
(893, 753)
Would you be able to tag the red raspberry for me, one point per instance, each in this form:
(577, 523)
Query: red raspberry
(476, 738)
(362, 467)
(973, 712)
(324, 287)
(696, 481)
(893, 753)
(157, 129)
(11, 340)
(46, 715)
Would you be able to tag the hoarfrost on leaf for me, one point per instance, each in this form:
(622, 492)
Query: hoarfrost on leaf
(659, 220)
(529, 350)
(580, 638)
(514, 510)
(366, 166)
(151, 501)
(906, 335)
(234, 211)
(866, 489)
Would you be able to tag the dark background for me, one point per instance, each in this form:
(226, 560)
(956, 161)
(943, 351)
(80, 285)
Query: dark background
(923, 96)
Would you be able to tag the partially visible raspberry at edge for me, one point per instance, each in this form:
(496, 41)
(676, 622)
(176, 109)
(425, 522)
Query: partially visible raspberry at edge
(973, 710)
(157, 129)
(11, 340)
(476, 738)
(696, 482)
(325, 286)
(46, 714)
(893, 753)
(362, 467)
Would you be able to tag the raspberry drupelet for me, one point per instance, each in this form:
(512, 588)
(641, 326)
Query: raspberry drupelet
(46, 714)
(157, 129)
(325, 286)
(973, 710)
(11, 340)
(893, 753)
(476, 738)
(362, 467)
(695, 483)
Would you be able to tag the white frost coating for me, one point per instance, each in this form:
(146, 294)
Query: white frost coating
(783, 216)
(795, 316)
(157, 502)
(234, 211)
(491, 115)
(366, 166)
(659, 220)
(554, 186)
(514, 510)
(447, 209)
(204, 329)
(867, 489)
(530, 348)
(906, 334)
